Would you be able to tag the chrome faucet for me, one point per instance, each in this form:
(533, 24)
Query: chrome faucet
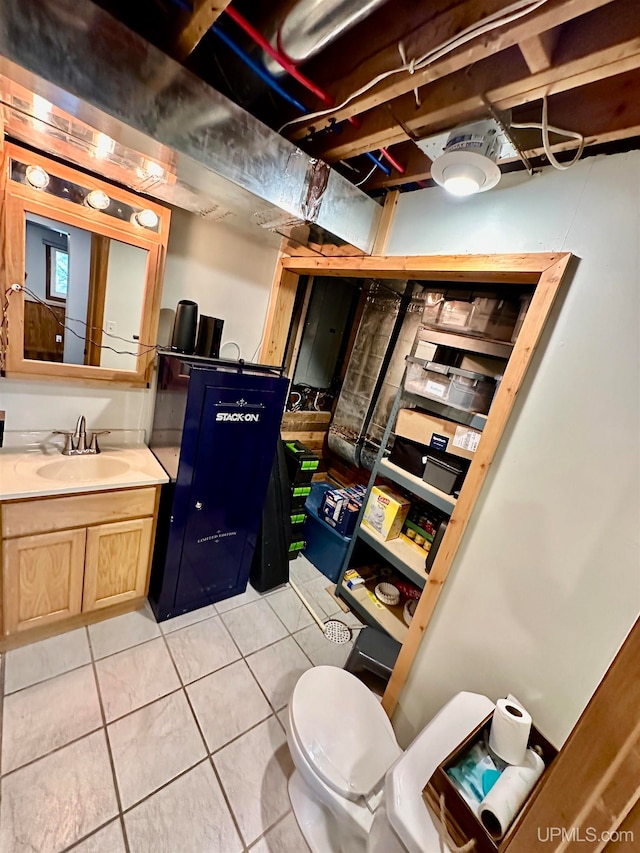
(76, 442)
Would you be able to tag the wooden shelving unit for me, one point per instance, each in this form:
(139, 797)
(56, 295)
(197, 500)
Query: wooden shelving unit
(364, 602)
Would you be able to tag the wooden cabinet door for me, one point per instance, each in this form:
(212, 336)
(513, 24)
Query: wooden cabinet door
(117, 562)
(42, 578)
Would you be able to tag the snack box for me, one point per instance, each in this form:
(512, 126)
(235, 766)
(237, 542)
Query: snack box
(340, 509)
(385, 513)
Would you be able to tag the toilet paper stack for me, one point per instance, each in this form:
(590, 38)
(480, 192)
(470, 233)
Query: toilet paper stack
(508, 739)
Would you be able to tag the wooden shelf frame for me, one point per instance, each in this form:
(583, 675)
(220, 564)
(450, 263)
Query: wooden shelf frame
(545, 272)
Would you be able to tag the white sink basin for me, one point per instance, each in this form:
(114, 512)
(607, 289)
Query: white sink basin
(82, 469)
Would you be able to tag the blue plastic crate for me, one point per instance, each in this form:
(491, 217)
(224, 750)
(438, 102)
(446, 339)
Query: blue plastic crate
(325, 548)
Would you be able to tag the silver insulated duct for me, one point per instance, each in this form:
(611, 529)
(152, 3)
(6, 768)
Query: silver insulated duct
(77, 84)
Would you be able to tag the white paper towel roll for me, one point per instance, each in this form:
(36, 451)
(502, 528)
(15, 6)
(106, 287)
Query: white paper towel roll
(510, 730)
(505, 799)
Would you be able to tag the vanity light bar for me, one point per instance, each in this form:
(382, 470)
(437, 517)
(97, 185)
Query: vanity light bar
(37, 177)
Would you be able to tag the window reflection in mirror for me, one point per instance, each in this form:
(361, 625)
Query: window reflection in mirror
(83, 297)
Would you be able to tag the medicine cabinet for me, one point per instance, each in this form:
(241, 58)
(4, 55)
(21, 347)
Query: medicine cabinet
(89, 259)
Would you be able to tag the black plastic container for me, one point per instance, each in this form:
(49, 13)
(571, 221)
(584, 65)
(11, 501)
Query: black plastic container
(183, 338)
(409, 455)
(444, 472)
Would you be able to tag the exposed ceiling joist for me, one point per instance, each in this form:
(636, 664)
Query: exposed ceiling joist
(204, 15)
(431, 35)
(593, 48)
(538, 50)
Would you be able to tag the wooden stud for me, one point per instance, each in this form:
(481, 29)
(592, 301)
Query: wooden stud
(281, 302)
(538, 50)
(541, 304)
(386, 223)
(204, 15)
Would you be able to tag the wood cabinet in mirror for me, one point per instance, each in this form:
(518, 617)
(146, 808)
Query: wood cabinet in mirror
(89, 259)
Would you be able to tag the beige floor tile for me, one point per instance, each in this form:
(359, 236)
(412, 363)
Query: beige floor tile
(45, 659)
(321, 651)
(284, 837)
(48, 715)
(123, 632)
(254, 770)
(59, 799)
(238, 600)
(187, 619)
(201, 649)
(189, 816)
(303, 571)
(316, 593)
(153, 745)
(277, 669)
(290, 610)
(227, 703)
(254, 626)
(107, 840)
(135, 677)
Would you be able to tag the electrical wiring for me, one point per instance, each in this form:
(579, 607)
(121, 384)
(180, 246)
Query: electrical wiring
(144, 348)
(491, 22)
(365, 179)
(545, 127)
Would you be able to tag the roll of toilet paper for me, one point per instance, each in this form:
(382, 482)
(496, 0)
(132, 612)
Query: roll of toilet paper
(507, 796)
(510, 730)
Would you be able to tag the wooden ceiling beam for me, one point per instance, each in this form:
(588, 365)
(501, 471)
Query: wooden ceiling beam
(596, 47)
(538, 50)
(205, 14)
(445, 25)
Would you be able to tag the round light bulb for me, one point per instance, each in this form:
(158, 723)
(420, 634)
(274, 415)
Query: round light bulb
(147, 218)
(463, 179)
(37, 177)
(98, 199)
(461, 186)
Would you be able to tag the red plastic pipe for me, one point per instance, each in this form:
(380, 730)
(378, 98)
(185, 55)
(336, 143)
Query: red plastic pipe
(390, 159)
(288, 66)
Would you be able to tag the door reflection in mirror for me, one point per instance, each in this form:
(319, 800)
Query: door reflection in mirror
(86, 295)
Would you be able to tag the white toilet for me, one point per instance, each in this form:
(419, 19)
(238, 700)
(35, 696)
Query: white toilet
(354, 790)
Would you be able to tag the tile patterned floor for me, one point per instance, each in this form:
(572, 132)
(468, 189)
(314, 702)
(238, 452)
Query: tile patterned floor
(129, 737)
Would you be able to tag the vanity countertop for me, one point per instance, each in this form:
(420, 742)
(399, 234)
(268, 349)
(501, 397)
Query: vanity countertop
(47, 472)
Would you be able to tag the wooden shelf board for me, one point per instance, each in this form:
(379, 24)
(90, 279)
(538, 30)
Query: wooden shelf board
(417, 486)
(388, 618)
(402, 556)
(482, 346)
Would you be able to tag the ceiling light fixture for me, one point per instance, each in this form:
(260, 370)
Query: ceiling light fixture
(98, 200)
(37, 177)
(147, 218)
(468, 164)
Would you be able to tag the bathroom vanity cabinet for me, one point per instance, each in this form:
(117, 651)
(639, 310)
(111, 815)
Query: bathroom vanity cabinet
(72, 559)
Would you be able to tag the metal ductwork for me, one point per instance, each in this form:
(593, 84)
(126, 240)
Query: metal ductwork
(77, 84)
(311, 25)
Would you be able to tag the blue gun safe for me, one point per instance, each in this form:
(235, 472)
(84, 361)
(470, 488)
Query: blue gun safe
(215, 430)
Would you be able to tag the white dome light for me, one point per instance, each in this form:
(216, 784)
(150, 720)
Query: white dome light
(37, 177)
(467, 165)
(98, 199)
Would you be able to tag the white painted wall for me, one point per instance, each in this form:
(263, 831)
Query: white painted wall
(126, 279)
(227, 271)
(546, 584)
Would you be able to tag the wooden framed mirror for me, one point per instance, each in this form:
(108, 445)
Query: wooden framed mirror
(89, 259)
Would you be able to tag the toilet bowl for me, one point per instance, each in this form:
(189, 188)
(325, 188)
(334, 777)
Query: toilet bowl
(354, 790)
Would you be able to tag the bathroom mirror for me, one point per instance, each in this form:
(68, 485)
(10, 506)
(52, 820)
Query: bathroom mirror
(88, 257)
(83, 295)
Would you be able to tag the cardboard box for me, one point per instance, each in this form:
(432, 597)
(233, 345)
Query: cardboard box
(339, 509)
(438, 433)
(385, 513)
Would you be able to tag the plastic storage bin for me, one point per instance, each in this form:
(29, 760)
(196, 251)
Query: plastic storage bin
(444, 474)
(325, 548)
(463, 389)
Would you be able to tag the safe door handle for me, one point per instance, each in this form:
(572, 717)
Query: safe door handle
(199, 504)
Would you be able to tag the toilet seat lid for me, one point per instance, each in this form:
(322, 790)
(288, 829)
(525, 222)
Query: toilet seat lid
(343, 731)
